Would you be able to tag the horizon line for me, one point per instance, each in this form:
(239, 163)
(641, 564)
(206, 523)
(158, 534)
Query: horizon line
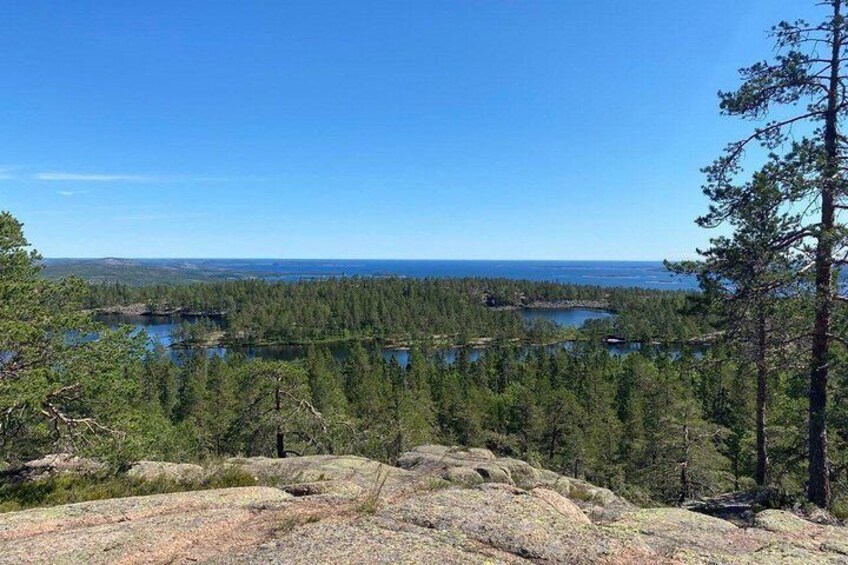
(118, 258)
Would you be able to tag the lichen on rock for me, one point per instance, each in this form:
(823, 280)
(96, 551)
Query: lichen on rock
(439, 508)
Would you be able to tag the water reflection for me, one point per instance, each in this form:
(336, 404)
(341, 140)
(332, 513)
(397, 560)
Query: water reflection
(565, 318)
(162, 330)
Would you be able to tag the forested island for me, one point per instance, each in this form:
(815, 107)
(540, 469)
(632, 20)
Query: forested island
(399, 311)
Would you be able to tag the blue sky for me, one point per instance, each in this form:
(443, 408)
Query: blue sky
(513, 129)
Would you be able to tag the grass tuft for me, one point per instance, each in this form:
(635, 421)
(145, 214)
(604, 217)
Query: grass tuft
(370, 502)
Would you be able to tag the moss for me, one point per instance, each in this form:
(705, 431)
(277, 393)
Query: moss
(840, 510)
(780, 521)
(434, 484)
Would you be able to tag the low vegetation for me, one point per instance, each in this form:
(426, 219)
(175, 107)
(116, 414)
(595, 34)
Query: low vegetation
(70, 488)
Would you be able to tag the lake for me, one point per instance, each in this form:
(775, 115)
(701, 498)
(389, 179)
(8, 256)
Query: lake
(565, 318)
(160, 330)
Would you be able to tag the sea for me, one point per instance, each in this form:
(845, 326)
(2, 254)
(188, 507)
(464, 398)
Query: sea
(643, 274)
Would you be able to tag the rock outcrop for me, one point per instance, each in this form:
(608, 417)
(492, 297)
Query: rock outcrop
(472, 466)
(149, 529)
(440, 505)
(51, 466)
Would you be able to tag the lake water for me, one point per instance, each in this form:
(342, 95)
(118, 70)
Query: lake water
(568, 318)
(160, 330)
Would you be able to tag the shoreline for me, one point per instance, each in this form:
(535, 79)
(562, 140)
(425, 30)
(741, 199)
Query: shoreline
(144, 311)
(599, 305)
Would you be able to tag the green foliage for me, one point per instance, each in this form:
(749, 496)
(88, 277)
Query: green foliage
(65, 382)
(71, 488)
(194, 333)
(787, 221)
(400, 310)
(661, 427)
(617, 422)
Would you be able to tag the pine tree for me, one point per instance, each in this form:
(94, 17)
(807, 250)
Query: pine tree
(682, 459)
(59, 389)
(191, 395)
(807, 72)
(749, 281)
(277, 415)
(326, 390)
(562, 439)
(162, 376)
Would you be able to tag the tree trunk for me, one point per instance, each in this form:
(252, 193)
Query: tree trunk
(685, 486)
(761, 473)
(818, 488)
(281, 438)
(281, 444)
(553, 444)
(735, 465)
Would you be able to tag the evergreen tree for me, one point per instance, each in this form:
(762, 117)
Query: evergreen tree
(162, 375)
(682, 459)
(749, 280)
(60, 388)
(191, 397)
(277, 415)
(326, 390)
(807, 72)
(562, 438)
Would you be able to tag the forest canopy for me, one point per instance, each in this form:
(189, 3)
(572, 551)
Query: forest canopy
(400, 309)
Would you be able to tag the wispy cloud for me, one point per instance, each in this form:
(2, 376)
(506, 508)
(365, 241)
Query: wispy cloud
(69, 193)
(7, 172)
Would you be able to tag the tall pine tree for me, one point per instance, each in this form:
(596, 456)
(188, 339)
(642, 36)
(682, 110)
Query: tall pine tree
(806, 72)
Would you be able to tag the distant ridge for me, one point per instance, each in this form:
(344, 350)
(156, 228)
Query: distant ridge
(137, 271)
(644, 274)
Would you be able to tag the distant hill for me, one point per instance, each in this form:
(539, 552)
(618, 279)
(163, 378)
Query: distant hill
(140, 271)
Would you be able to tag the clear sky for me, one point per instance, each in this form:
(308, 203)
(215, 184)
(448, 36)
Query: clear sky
(520, 129)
